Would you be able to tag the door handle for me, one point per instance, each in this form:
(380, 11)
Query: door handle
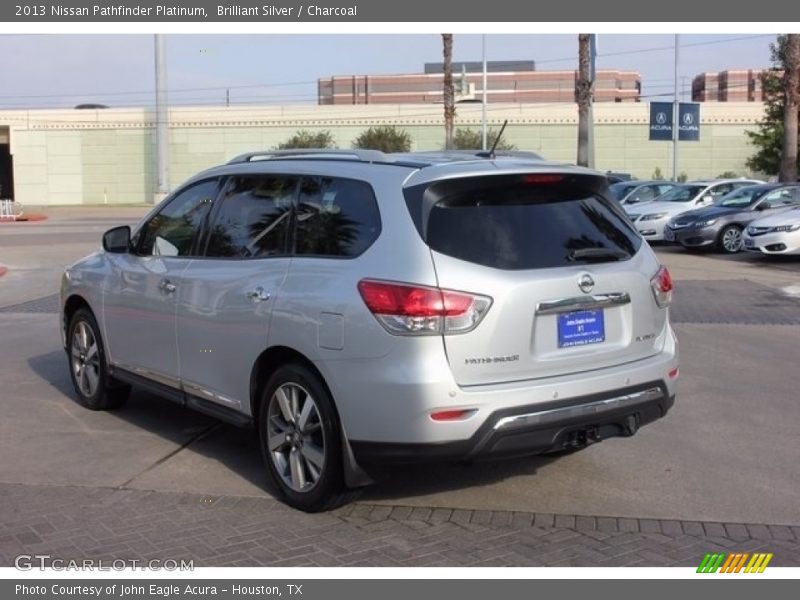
(166, 286)
(258, 295)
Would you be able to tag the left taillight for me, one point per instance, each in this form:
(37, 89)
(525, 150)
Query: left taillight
(408, 309)
(661, 283)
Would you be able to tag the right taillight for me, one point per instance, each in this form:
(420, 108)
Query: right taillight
(406, 309)
(661, 283)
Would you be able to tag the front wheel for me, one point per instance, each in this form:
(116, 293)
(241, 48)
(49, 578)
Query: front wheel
(300, 439)
(730, 239)
(96, 389)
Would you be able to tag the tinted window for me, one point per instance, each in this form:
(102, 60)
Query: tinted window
(335, 217)
(779, 198)
(173, 230)
(253, 217)
(683, 193)
(743, 197)
(529, 226)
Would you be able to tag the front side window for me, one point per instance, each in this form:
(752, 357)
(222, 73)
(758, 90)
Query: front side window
(253, 217)
(172, 232)
(335, 217)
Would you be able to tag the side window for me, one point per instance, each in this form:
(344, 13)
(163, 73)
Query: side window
(779, 198)
(173, 230)
(253, 217)
(721, 190)
(336, 217)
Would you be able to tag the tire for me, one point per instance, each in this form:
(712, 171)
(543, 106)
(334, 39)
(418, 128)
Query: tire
(730, 239)
(88, 368)
(301, 444)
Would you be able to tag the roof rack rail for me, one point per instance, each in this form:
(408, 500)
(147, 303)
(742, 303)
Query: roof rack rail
(317, 153)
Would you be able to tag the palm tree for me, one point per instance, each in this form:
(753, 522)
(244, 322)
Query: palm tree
(791, 79)
(583, 94)
(449, 92)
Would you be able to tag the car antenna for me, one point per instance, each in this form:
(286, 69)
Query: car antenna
(490, 153)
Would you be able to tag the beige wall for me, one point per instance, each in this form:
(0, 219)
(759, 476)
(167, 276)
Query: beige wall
(74, 157)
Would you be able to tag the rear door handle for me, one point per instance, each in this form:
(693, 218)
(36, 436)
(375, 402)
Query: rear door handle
(258, 295)
(166, 286)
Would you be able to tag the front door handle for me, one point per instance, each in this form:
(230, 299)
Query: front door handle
(258, 295)
(166, 286)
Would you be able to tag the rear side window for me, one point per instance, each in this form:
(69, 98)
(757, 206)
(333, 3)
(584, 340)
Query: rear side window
(335, 217)
(253, 217)
(517, 225)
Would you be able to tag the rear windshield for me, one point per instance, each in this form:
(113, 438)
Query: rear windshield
(527, 226)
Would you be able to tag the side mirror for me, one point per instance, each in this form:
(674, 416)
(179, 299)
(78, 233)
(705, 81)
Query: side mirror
(761, 207)
(117, 240)
(707, 199)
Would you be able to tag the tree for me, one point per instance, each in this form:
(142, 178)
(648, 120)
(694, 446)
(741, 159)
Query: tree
(657, 174)
(727, 175)
(583, 93)
(384, 138)
(449, 92)
(791, 87)
(768, 138)
(306, 139)
(472, 139)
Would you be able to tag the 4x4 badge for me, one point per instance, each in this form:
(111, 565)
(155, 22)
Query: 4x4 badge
(586, 283)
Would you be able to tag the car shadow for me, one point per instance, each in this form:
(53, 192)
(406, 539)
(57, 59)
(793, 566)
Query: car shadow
(238, 449)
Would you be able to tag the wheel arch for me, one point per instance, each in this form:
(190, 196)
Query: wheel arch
(265, 365)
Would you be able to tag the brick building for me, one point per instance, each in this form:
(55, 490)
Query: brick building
(740, 85)
(508, 81)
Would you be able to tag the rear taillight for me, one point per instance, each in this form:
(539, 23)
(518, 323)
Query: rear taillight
(405, 309)
(662, 287)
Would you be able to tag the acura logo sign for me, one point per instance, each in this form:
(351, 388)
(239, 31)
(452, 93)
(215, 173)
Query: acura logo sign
(586, 283)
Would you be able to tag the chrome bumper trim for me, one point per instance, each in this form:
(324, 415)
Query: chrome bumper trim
(581, 410)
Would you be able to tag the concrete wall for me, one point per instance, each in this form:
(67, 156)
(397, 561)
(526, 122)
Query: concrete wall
(93, 157)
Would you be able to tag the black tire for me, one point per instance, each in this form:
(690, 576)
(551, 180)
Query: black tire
(722, 243)
(328, 490)
(108, 393)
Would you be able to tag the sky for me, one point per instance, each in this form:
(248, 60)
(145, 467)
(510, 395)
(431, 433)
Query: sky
(60, 71)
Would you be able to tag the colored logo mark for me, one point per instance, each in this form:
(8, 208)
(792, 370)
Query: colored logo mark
(735, 563)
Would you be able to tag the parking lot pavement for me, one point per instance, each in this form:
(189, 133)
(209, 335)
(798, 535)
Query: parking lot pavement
(152, 479)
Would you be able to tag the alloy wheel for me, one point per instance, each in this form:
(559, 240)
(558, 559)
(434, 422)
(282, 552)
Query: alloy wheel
(85, 359)
(732, 240)
(295, 437)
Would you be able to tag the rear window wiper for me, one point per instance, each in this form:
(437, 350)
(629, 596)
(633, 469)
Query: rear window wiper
(597, 254)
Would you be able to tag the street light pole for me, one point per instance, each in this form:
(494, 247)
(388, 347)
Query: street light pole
(162, 124)
(484, 129)
(675, 117)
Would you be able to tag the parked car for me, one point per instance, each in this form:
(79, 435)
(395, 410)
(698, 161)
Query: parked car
(651, 218)
(775, 234)
(358, 308)
(638, 192)
(721, 225)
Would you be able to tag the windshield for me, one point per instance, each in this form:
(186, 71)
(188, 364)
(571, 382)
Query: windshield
(683, 193)
(742, 198)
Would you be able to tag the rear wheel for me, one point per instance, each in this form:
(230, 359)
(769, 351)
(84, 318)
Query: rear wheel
(300, 440)
(96, 389)
(730, 239)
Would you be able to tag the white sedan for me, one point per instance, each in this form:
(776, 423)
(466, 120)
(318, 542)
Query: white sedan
(776, 234)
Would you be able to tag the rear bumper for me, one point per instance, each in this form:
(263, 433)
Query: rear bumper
(539, 428)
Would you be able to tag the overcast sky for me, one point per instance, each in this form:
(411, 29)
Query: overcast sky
(117, 70)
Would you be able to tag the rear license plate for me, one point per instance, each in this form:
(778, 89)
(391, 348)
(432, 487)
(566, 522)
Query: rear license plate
(749, 243)
(668, 235)
(580, 328)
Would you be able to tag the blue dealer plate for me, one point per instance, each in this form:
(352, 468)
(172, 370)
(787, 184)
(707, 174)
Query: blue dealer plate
(580, 328)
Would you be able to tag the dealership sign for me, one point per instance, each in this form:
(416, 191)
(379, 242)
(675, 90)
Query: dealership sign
(688, 121)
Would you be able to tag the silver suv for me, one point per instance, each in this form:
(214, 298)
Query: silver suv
(358, 308)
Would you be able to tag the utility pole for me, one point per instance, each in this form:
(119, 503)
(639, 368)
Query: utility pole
(583, 93)
(484, 129)
(791, 82)
(592, 77)
(162, 123)
(675, 116)
(227, 97)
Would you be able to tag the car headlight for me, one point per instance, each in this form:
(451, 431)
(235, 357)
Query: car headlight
(706, 223)
(784, 228)
(653, 216)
